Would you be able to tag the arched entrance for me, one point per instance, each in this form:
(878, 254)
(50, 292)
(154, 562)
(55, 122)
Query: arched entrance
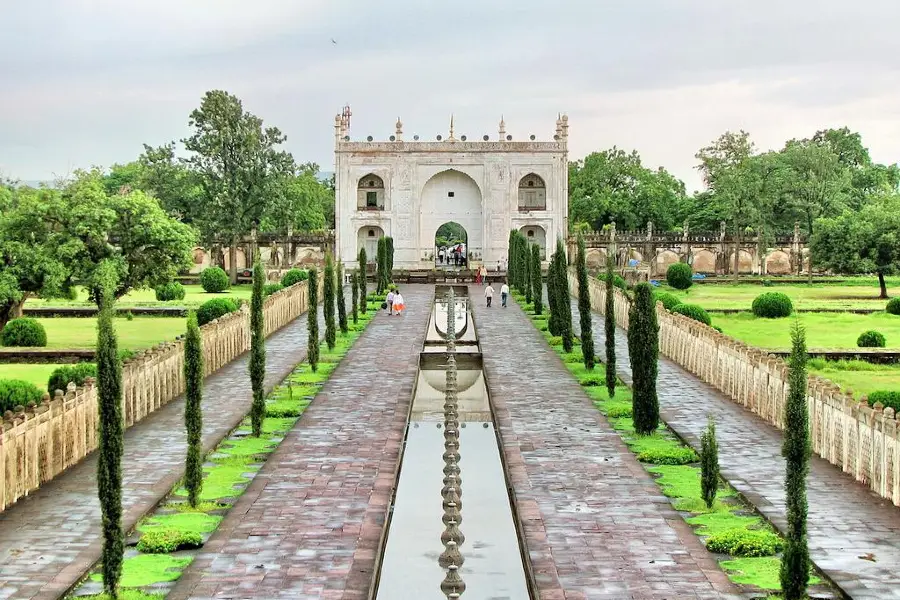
(535, 234)
(367, 238)
(451, 196)
(451, 243)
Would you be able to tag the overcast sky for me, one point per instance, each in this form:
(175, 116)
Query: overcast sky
(88, 81)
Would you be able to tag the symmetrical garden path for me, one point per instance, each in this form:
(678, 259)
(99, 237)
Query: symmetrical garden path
(854, 536)
(49, 539)
(595, 524)
(310, 524)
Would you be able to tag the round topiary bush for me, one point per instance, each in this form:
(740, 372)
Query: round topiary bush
(23, 332)
(294, 276)
(170, 291)
(888, 398)
(271, 288)
(893, 306)
(693, 311)
(214, 280)
(871, 339)
(215, 308)
(772, 305)
(62, 376)
(669, 301)
(15, 392)
(680, 276)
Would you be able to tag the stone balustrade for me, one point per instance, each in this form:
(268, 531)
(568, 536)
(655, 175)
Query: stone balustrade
(863, 441)
(37, 443)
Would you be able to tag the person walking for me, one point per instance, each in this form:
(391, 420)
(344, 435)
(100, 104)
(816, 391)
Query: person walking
(504, 294)
(478, 276)
(389, 302)
(489, 294)
(398, 305)
(482, 274)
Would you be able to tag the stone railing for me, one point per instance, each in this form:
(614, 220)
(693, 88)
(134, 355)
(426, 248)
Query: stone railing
(38, 443)
(863, 441)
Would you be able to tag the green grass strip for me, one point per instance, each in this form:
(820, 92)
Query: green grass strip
(195, 522)
(147, 569)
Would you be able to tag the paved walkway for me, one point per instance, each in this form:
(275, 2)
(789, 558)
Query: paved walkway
(51, 538)
(595, 524)
(846, 520)
(310, 523)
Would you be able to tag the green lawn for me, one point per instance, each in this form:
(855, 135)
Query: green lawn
(861, 293)
(137, 334)
(823, 330)
(858, 376)
(195, 296)
(36, 374)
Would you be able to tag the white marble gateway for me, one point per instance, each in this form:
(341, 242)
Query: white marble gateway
(407, 189)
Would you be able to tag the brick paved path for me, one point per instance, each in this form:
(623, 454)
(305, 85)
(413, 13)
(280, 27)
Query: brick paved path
(846, 520)
(596, 525)
(49, 539)
(310, 523)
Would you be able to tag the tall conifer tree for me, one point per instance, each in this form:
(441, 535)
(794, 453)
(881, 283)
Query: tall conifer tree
(193, 411)
(510, 259)
(643, 350)
(354, 297)
(341, 303)
(328, 299)
(537, 287)
(257, 350)
(554, 325)
(609, 321)
(363, 294)
(584, 306)
(526, 256)
(563, 297)
(312, 320)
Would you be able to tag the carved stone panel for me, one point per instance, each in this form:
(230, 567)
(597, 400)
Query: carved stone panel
(404, 228)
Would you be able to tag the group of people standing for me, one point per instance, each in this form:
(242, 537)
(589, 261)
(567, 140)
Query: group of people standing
(394, 302)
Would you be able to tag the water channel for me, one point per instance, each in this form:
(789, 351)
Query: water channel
(492, 561)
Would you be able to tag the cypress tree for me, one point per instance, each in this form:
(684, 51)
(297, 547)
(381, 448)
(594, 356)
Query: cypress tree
(524, 266)
(795, 449)
(709, 463)
(111, 443)
(354, 297)
(510, 259)
(563, 298)
(257, 350)
(381, 266)
(537, 288)
(553, 323)
(609, 320)
(389, 246)
(328, 299)
(341, 303)
(527, 271)
(584, 306)
(363, 300)
(193, 412)
(312, 319)
(643, 350)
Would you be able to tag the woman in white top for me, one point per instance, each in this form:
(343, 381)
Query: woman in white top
(398, 303)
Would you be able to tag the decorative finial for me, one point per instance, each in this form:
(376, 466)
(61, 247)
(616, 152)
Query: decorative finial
(451, 138)
(502, 129)
(399, 129)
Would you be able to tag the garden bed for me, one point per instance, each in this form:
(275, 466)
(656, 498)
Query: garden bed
(195, 295)
(823, 330)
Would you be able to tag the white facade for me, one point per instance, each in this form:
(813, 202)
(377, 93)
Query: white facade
(408, 189)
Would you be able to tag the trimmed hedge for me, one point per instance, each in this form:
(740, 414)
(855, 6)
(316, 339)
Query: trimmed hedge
(271, 288)
(893, 306)
(23, 332)
(694, 312)
(214, 280)
(772, 305)
(888, 398)
(164, 541)
(680, 455)
(294, 276)
(170, 291)
(745, 542)
(871, 339)
(15, 392)
(61, 377)
(669, 301)
(215, 308)
(680, 276)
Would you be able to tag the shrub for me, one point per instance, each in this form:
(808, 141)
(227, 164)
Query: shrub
(294, 276)
(23, 332)
(745, 542)
(767, 283)
(619, 282)
(170, 291)
(271, 288)
(694, 312)
(680, 276)
(62, 376)
(669, 301)
(871, 339)
(888, 398)
(164, 541)
(893, 307)
(772, 305)
(719, 329)
(15, 392)
(214, 280)
(678, 455)
(619, 410)
(215, 308)
(709, 463)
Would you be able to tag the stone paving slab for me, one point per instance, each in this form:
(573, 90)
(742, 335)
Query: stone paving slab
(846, 520)
(51, 538)
(310, 524)
(596, 525)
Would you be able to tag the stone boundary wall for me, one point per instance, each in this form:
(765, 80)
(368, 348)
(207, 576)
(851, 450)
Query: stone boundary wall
(40, 442)
(864, 442)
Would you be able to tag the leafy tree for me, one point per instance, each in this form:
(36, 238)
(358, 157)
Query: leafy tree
(795, 449)
(526, 262)
(193, 411)
(176, 186)
(709, 463)
(584, 306)
(363, 301)
(238, 164)
(300, 197)
(312, 320)
(537, 284)
(328, 299)
(354, 297)
(341, 303)
(865, 241)
(257, 350)
(450, 234)
(643, 350)
(609, 322)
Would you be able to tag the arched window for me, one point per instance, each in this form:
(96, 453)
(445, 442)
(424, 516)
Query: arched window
(532, 193)
(370, 193)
